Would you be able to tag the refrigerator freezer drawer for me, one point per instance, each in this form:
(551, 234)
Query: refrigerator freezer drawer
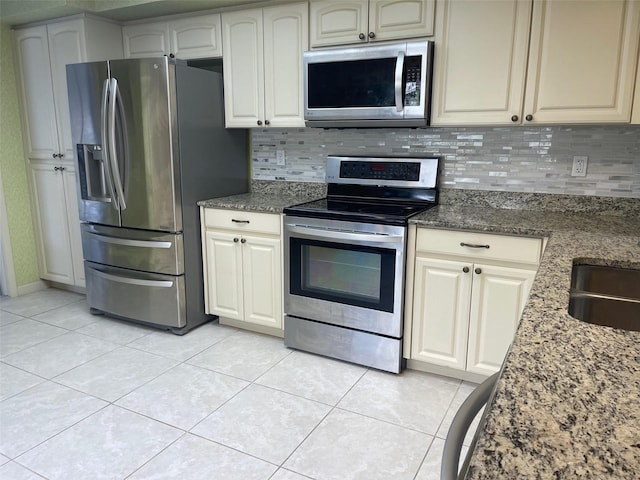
(133, 249)
(145, 297)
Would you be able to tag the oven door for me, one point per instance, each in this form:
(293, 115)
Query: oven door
(345, 273)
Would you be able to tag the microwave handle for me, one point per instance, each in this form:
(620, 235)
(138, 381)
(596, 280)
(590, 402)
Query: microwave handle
(399, 70)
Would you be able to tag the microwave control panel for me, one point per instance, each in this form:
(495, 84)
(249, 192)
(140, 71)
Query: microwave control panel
(412, 72)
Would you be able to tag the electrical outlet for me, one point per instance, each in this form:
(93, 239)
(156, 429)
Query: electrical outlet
(280, 157)
(579, 166)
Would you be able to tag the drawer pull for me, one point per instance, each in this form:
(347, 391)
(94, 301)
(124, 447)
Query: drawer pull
(473, 245)
(240, 221)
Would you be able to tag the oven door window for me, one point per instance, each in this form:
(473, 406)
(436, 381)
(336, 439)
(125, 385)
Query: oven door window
(343, 273)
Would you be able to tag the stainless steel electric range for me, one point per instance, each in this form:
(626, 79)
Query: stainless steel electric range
(345, 259)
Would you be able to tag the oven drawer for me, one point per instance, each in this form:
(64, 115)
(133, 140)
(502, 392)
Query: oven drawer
(269, 223)
(479, 245)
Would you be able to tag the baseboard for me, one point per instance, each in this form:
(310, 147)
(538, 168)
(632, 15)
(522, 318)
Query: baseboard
(69, 288)
(32, 287)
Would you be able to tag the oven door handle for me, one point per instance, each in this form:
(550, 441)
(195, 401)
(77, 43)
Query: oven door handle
(343, 235)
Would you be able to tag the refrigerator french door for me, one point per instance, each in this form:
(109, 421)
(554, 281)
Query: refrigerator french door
(150, 141)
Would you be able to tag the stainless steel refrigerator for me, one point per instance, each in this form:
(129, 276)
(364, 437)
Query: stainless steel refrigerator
(149, 143)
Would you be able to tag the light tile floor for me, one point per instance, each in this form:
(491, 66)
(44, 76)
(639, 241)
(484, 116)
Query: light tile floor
(89, 397)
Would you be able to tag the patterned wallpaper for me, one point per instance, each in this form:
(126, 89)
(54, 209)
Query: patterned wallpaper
(14, 172)
(511, 159)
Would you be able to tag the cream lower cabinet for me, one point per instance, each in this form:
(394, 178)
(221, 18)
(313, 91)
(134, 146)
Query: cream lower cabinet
(534, 61)
(243, 268)
(467, 300)
(263, 66)
(57, 223)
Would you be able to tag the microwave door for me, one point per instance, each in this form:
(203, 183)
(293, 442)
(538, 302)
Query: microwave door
(88, 107)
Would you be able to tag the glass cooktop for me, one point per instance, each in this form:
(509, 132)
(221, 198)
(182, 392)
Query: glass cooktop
(351, 210)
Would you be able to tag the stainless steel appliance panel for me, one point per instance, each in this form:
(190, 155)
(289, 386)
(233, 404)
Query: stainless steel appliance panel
(146, 131)
(134, 249)
(145, 297)
(352, 235)
(363, 348)
(85, 84)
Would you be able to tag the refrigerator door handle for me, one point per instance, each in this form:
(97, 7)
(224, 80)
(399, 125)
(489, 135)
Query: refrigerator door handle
(104, 108)
(113, 156)
(130, 243)
(134, 281)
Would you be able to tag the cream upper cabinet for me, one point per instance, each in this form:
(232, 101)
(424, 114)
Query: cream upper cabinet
(469, 291)
(582, 61)
(43, 52)
(146, 40)
(576, 62)
(242, 253)
(263, 66)
(197, 36)
(361, 21)
(480, 61)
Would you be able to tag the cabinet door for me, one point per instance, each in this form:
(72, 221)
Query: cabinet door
(582, 61)
(338, 23)
(224, 274)
(52, 231)
(40, 131)
(66, 46)
(394, 19)
(262, 270)
(480, 62)
(285, 38)
(635, 116)
(196, 37)
(243, 68)
(146, 40)
(441, 312)
(497, 300)
(73, 221)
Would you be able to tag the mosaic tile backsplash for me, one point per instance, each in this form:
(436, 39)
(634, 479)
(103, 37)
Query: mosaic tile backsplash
(509, 159)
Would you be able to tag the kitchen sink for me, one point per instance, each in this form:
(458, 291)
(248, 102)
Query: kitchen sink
(608, 296)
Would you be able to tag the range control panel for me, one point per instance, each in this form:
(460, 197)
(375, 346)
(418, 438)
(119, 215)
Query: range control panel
(383, 171)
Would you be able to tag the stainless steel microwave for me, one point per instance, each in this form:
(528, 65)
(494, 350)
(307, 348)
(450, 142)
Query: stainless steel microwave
(372, 86)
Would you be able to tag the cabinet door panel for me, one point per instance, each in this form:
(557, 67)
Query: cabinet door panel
(41, 136)
(440, 312)
(196, 37)
(498, 298)
(244, 69)
(146, 40)
(262, 281)
(66, 46)
(52, 226)
(480, 62)
(285, 38)
(73, 219)
(224, 274)
(391, 19)
(582, 61)
(338, 23)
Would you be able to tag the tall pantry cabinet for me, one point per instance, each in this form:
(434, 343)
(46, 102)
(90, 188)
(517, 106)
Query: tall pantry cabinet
(42, 53)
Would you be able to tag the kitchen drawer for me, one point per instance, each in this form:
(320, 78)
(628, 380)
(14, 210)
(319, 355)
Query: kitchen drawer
(240, 220)
(485, 245)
